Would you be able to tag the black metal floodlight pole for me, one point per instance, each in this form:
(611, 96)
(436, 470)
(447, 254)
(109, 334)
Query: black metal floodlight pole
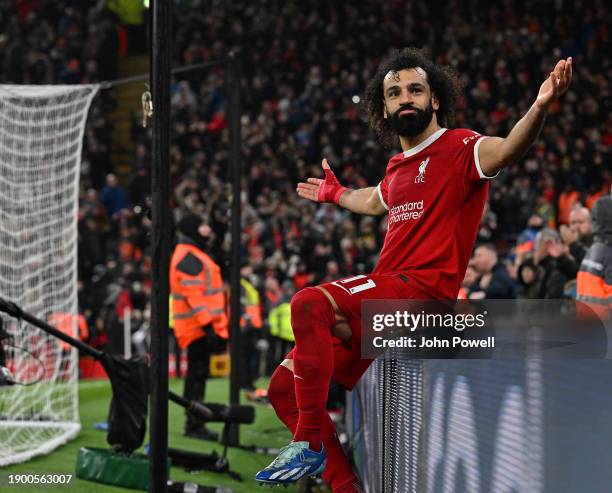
(232, 85)
(161, 55)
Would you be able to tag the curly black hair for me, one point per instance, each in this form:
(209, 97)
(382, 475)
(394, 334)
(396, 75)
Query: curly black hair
(444, 83)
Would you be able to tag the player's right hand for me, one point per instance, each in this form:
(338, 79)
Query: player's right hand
(322, 190)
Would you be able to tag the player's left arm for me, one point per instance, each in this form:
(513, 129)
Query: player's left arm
(496, 153)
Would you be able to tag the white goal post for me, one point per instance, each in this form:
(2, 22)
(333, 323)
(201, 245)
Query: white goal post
(41, 139)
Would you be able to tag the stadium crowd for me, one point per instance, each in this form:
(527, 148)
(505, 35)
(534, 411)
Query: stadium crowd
(305, 66)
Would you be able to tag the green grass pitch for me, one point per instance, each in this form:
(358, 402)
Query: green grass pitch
(94, 399)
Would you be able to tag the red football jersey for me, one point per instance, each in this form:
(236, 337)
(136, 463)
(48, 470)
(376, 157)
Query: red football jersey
(435, 194)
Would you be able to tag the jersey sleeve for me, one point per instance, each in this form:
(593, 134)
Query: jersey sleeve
(383, 192)
(468, 157)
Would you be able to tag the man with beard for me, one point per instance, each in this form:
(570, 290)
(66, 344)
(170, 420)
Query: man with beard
(579, 235)
(434, 192)
(198, 309)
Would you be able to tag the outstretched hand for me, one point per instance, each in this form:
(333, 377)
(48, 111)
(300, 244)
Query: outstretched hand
(322, 190)
(557, 83)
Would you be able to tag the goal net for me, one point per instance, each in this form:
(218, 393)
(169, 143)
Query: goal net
(41, 136)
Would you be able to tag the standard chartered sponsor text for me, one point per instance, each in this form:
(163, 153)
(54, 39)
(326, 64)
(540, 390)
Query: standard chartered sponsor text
(406, 211)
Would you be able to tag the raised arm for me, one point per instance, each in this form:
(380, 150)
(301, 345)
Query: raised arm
(361, 201)
(496, 153)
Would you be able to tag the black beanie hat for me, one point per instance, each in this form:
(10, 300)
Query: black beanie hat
(189, 225)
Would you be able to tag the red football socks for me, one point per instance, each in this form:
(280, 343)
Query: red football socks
(312, 317)
(338, 472)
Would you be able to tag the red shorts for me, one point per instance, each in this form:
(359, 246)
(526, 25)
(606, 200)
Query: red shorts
(348, 294)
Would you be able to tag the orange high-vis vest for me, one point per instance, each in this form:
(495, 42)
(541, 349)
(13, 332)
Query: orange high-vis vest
(252, 316)
(65, 322)
(594, 281)
(251, 308)
(198, 295)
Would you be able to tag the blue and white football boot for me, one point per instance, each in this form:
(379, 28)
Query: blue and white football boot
(292, 463)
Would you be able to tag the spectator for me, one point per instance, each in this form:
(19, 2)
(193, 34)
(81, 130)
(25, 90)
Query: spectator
(470, 278)
(114, 197)
(555, 265)
(526, 241)
(140, 186)
(493, 281)
(579, 235)
(131, 13)
(488, 226)
(528, 277)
